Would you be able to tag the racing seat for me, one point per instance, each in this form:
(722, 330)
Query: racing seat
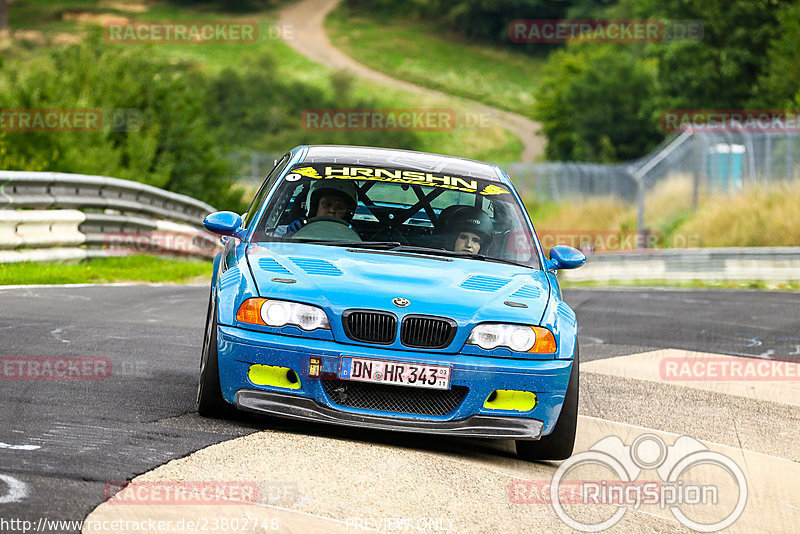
(501, 246)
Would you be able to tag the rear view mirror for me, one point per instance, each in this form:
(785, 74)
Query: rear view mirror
(565, 257)
(224, 223)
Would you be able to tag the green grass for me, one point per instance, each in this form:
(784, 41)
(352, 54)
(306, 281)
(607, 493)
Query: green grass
(417, 51)
(760, 216)
(101, 270)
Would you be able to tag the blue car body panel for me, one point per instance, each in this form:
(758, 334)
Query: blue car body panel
(239, 349)
(336, 279)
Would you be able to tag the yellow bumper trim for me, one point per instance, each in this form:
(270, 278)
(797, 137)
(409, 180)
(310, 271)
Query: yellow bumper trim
(270, 375)
(509, 399)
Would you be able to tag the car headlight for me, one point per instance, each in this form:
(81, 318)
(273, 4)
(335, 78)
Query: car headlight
(270, 312)
(518, 338)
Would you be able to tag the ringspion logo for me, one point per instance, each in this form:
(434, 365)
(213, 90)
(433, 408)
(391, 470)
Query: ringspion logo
(704, 490)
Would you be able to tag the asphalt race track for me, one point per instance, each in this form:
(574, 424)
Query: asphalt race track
(64, 443)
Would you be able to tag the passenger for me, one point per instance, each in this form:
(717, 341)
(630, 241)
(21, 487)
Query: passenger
(467, 242)
(470, 230)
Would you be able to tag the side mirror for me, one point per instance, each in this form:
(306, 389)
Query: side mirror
(224, 223)
(565, 257)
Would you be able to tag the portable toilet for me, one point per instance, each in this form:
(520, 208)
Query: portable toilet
(724, 166)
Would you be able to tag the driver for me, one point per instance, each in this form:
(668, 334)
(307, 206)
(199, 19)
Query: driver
(328, 199)
(470, 230)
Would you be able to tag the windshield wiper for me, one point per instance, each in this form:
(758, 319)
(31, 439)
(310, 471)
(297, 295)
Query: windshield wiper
(452, 253)
(377, 245)
(438, 252)
(381, 245)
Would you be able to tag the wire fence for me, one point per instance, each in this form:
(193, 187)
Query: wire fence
(715, 163)
(718, 162)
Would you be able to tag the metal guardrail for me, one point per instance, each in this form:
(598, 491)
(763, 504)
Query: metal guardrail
(758, 264)
(21, 189)
(47, 216)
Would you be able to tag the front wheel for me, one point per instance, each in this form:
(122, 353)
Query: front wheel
(209, 393)
(559, 443)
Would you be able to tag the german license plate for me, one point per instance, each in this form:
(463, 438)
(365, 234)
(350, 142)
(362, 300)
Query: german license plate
(398, 373)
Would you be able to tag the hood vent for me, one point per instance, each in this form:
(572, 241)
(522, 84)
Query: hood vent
(527, 292)
(272, 265)
(318, 267)
(484, 283)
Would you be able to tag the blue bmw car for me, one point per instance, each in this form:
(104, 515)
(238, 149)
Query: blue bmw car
(392, 290)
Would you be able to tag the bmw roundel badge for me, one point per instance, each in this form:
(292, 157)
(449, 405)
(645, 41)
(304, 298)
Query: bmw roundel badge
(401, 302)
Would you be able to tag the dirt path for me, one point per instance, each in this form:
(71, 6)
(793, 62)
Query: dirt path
(308, 16)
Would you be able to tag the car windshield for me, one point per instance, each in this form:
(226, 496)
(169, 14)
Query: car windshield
(398, 209)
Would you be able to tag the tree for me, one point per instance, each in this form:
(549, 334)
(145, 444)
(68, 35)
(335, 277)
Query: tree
(483, 20)
(720, 70)
(489, 20)
(780, 79)
(595, 104)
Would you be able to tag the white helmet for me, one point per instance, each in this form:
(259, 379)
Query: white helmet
(341, 188)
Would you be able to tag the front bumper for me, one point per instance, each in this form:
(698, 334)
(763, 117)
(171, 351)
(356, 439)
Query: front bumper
(239, 349)
(476, 426)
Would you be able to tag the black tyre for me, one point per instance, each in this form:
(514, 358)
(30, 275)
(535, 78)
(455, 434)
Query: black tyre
(559, 443)
(209, 393)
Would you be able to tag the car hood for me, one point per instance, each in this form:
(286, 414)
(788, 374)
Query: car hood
(340, 278)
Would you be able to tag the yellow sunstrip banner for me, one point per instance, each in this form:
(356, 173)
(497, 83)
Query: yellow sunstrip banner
(442, 181)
